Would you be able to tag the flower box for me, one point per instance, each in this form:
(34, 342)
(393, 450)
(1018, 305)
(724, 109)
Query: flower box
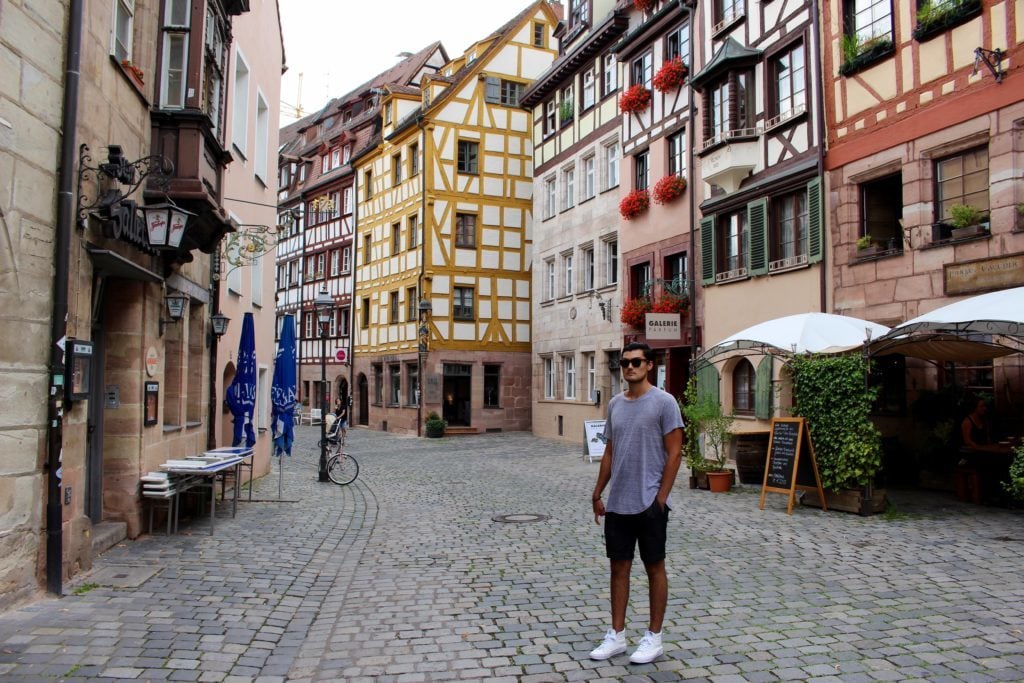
(634, 204)
(671, 75)
(670, 303)
(634, 99)
(643, 5)
(863, 55)
(634, 311)
(137, 74)
(668, 189)
(933, 20)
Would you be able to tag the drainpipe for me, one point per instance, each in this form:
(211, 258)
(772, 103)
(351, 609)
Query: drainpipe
(819, 115)
(352, 303)
(691, 279)
(58, 321)
(421, 355)
(211, 413)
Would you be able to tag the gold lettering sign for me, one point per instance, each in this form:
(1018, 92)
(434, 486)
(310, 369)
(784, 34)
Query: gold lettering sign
(983, 275)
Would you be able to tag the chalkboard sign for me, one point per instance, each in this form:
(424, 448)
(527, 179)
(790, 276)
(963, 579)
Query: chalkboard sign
(791, 463)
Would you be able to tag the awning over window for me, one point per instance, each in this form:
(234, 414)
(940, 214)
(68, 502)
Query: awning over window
(108, 263)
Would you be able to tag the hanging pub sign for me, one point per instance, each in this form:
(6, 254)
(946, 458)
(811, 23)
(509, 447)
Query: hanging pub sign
(791, 464)
(79, 369)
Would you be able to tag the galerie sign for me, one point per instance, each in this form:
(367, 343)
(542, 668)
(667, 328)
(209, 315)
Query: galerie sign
(666, 326)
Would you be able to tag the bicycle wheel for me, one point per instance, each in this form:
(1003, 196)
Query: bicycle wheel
(342, 469)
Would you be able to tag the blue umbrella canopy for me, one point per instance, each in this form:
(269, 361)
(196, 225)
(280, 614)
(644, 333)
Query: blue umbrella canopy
(283, 390)
(241, 395)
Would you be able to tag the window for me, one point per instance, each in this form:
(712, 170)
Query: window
(611, 262)
(549, 377)
(569, 366)
(962, 179)
(549, 279)
(538, 34)
(789, 229)
(463, 304)
(121, 38)
(346, 200)
(368, 247)
(262, 138)
(568, 188)
(501, 91)
(611, 161)
(411, 304)
(492, 386)
(364, 313)
(396, 238)
(394, 384)
(335, 158)
(591, 377)
(565, 109)
(335, 262)
(732, 245)
(396, 169)
(743, 386)
(346, 259)
(677, 44)
(413, 230)
(414, 160)
(214, 70)
(325, 161)
(589, 178)
(675, 273)
(641, 170)
(387, 113)
(282, 276)
(588, 268)
(307, 319)
(881, 208)
(346, 153)
(727, 10)
(368, 183)
(412, 374)
(642, 70)
(175, 62)
(550, 113)
(609, 75)
(465, 230)
(731, 110)
(567, 274)
(677, 154)
(343, 321)
(640, 279)
(393, 309)
(321, 265)
(467, 161)
(589, 96)
(790, 87)
(867, 19)
(332, 327)
(378, 383)
(579, 12)
(549, 197)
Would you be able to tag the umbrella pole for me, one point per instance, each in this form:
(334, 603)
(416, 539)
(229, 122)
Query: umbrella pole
(280, 475)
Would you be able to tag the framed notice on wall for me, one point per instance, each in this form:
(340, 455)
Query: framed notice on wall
(593, 439)
(151, 404)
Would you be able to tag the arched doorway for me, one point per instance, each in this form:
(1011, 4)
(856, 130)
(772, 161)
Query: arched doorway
(227, 425)
(364, 400)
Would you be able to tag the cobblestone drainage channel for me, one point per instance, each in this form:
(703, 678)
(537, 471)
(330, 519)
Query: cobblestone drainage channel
(521, 518)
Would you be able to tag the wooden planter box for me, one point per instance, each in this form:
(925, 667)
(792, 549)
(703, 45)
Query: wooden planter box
(969, 231)
(848, 500)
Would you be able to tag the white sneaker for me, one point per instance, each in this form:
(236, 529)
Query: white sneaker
(648, 650)
(613, 644)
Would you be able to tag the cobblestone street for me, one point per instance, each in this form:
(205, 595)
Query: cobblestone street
(406, 576)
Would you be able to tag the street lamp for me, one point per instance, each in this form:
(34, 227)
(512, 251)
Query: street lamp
(424, 309)
(324, 306)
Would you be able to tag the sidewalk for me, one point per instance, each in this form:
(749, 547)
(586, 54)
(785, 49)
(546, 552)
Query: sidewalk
(406, 576)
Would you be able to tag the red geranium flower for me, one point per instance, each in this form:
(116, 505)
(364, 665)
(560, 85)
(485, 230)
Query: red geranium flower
(643, 5)
(670, 303)
(634, 204)
(669, 188)
(671, 75)
(634, 99)
(633, 312)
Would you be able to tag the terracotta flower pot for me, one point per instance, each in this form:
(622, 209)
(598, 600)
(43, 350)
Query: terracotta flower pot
(720, 482)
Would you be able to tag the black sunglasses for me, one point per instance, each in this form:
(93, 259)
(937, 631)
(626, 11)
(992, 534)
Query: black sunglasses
(635, 362)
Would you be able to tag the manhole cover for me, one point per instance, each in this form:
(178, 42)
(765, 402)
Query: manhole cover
(521, 518)
(122, 577)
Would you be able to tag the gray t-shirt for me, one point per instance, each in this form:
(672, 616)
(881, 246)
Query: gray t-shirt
(637, 428)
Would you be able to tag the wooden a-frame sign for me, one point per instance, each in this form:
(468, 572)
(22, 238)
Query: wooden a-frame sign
(784, 471)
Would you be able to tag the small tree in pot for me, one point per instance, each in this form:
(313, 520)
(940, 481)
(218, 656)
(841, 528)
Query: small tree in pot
(435, 425)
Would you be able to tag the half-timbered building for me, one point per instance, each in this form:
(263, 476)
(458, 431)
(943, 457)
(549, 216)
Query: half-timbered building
(443, 253)
(576, 153)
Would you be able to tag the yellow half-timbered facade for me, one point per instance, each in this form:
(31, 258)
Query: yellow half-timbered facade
(443, 257)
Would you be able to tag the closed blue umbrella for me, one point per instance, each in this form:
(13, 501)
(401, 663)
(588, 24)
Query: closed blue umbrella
(241, 395)
(283, 390)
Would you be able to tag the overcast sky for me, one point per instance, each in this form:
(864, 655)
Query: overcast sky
(338, 44)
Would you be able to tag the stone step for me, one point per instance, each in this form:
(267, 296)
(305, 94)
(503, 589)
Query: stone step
(460, 431)
(106, 535)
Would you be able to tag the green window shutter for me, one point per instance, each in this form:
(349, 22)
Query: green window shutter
(815, 221)
(757, 222)
(707, 381)
(707, 250)
(763, 389)
(492, 89)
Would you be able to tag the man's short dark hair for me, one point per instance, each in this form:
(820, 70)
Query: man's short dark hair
(640, 346)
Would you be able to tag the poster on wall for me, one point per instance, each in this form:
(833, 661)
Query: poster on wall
(593, 439)
(152, 403)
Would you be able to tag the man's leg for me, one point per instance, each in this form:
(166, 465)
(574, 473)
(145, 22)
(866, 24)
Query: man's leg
(657, 578)
(620, 592)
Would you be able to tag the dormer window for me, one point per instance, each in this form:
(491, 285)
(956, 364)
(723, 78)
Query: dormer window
(579, 13)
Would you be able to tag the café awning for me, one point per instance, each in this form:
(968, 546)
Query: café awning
(801, 333)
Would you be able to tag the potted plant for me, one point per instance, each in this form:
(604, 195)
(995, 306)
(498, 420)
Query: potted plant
(671, 75)
(137, 74)
(668, 189)
(634, 204)
(858, 54)
(866, 246)
(633, 312)
(565, 111)
(435, 425)
(1015, 486)
(670, 303)
(705, 416)
(634, 99)
(967, 221)
(935, 18)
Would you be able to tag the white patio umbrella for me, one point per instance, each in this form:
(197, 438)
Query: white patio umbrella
(802, 333)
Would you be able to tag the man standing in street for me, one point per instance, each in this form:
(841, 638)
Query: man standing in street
(642, 454)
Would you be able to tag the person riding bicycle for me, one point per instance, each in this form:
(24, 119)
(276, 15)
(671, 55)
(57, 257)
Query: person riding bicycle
(339, 427)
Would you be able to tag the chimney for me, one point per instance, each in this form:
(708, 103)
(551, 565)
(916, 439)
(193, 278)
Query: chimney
(557, 8)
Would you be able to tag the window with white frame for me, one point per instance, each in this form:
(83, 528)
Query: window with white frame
(175, 55)
(677, 154)
(240, 104)
(465, 230)
(588, 268)
(346, 200)
(550, 198)
(343, 321)
(611, 165)
(550, 116)
(567, 273)
(262, 138)
(867, 19)
(569, 375)
(588, 89)
(642, 70)
(121, 35)
(549, 377)
(609, 75)
(568, 188)
(591, 377)
(257, 280)
(394, 384)
(413, 223)
(346, 259)
(677, 44)
(611, 262)
(589, 177)
(641, 170)
(332, 327)
(412, 374)
(335, 261)
(462, 306)
(790, 82)
(549, 279)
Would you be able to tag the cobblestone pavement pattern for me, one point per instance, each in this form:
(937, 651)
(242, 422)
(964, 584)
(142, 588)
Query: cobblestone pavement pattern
(405, 576)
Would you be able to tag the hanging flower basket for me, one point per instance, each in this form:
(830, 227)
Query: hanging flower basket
(670, 303)
(643, 5)
(671, 75)
(635, 99)
(634, 204)
(669, 189)
(633, 312)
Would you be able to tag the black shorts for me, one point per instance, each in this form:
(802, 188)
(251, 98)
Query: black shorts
(648, 528)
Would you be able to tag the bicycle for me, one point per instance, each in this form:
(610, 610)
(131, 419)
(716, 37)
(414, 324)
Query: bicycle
(342, 467)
